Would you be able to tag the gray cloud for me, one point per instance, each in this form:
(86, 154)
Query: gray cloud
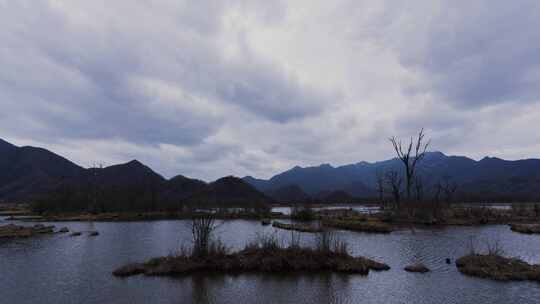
(163, 79)
(475, 54)
(211, 88)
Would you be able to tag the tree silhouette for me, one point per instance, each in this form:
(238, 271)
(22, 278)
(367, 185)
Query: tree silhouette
(410, 161)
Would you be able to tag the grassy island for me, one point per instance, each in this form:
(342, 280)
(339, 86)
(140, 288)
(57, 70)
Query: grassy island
(255, 259)
(497, 267)
(265, 254)
(16, 231)
(296, 227)
(524, 228)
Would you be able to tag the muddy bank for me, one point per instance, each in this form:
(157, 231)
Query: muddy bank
(278, 260)
(524, 228)
(15, 213)
(498, 268)
(15, 231)
(355, 225)
(141, 216)
(296, 227)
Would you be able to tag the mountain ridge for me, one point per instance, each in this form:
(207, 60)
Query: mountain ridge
(494, 177)
(28, 172)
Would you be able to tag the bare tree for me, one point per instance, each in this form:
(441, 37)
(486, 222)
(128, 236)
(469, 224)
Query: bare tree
(419, 187)
(394, 181)
(446, 189)
(97, 204)
(379, 179)
(437, 192)
(410, 161)
(449, 189)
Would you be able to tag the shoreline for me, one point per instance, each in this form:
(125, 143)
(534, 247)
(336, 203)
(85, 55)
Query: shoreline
(159, 216)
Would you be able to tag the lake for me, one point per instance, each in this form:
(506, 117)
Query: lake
(63, 269)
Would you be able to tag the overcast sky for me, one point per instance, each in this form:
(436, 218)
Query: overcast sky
(213, 88)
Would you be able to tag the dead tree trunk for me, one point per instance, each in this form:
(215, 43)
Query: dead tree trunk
(410, 161)
(379, 179)
(394, 181)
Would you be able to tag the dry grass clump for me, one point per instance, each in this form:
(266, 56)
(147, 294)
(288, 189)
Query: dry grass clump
(524, 228)
(497, 267)
(296, 227)
(363, 226)
(16, 231)
(494, 265)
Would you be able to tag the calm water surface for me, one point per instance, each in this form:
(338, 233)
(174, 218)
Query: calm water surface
(63, 269)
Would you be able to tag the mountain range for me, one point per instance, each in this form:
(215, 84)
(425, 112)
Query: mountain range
(487, 179)
(30, 173)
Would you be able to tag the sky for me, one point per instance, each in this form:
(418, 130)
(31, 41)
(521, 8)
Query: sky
(236, 87)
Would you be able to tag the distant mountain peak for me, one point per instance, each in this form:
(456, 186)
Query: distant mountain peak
(229, 178)
(134, 162)
(435, 153)
(326, 166)
(490, 158)
(4, 143)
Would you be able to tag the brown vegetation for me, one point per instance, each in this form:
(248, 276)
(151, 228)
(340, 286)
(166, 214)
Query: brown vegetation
(15, 231)
(256, 260)
(356, 225)
(296, 227)
(264, 255)
(524, 228)
(145, 216)
(497, 267)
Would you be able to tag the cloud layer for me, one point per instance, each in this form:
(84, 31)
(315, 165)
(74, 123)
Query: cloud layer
(211, 88)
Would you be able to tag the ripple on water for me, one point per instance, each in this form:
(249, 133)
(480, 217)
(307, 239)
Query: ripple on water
(60, 269)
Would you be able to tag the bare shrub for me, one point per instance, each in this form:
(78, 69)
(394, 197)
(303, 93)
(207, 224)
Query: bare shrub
(184, 251)
(518, 209)
(302, 213)
(379, 178)
(494, 248)
(295, 240)
(202, 228)
(394, 181)
(471, 246)
(536, 209)
(216, 248)
(325, 240)
(264, 242)
(328, 241)
(341, 247)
